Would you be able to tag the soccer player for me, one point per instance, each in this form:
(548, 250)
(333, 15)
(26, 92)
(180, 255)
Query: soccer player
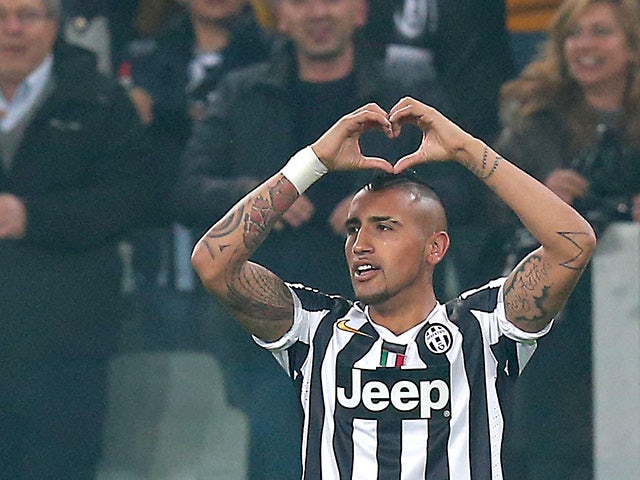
(395, 384)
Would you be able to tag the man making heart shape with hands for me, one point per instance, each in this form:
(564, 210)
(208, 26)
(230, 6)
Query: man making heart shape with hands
(396, 384)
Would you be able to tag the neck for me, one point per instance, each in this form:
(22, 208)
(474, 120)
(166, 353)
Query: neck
(403, 315)
(325, 70)
(211, 37)
(9, 90)
(607, 98)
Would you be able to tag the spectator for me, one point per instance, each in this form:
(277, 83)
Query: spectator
(72, 181)
(465, 42)
(577, 108)
(171, 78)
(463, 45)
(316, 73)
(101, 26)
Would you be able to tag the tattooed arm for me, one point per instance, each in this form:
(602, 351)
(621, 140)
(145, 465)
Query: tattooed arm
(538, 287)
(541, 283)
(255, 296)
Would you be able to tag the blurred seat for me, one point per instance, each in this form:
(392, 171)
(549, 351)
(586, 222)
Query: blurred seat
(168, 419)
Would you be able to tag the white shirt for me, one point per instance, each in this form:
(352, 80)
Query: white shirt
(26, 95)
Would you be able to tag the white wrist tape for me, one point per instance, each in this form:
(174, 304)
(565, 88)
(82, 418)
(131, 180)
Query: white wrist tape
(303, 169)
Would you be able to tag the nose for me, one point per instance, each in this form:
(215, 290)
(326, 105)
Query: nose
(10, 22)
(361, 242)
(318, 8)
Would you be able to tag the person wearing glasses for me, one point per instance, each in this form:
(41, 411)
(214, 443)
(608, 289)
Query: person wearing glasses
(72, 181)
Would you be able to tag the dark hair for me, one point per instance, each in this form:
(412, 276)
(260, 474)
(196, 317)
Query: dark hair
(385, 180)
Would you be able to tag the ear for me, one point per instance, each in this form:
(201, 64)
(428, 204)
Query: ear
(437, 247)
(361, 13)
(280, 20)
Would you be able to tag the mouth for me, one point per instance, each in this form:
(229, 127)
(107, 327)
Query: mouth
(364, 271)
(11, 50)
(589, 62)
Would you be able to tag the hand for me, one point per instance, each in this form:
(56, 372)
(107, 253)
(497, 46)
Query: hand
(13, 217)
(338, 217)
(635, 208)
(567, 184)
(441, 138)
(339, 147)
(299, 213)
(143, 103)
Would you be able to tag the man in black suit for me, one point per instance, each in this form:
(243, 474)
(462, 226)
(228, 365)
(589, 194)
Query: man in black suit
(71, 182)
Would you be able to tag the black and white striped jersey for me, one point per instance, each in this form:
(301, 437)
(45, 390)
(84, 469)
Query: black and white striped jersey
(426, 404)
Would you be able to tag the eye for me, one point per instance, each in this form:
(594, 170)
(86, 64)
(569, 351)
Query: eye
(383, 227)
(574, 32)
(602, 30)
(352, 229)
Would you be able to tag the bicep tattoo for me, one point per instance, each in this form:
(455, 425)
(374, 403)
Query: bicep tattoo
(536, 291)
(526, 294)
(258, 293)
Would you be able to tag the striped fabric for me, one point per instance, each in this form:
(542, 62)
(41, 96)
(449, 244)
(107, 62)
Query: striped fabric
(426, 404)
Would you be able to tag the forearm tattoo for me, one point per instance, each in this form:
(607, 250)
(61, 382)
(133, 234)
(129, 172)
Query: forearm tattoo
(264, 212)
(528, 295)
(483, 172)
(224, 228)
(252, 291)
(525, 296)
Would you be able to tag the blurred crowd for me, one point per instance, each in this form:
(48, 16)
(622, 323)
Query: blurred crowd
(128, 128)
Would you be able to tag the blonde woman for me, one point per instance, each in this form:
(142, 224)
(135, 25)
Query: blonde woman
(572, 120)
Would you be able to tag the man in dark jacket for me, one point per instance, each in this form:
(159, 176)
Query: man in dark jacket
(260, 113)
(71, 182)
(317, 73)
(171, 77)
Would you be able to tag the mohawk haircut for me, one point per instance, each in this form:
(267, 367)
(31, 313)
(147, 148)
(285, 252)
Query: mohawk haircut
(409, 177)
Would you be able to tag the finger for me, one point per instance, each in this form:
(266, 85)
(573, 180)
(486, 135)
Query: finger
(370, 116)
(408, 161)
(409, 110)
(573, 183)
(300, 212)
(294, 218)
(377, 163)
(370, 120)
(402, 104)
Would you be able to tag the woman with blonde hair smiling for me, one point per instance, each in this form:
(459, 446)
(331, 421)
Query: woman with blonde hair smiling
(572, 120)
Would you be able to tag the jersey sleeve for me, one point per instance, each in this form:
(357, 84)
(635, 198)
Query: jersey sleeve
(300, 329)
(486, 304)
(310, 307)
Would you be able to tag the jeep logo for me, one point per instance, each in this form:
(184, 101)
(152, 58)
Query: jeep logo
(403, 395)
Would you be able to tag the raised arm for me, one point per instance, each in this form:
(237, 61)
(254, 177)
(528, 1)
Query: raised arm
(255, 296)
(540, 284)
